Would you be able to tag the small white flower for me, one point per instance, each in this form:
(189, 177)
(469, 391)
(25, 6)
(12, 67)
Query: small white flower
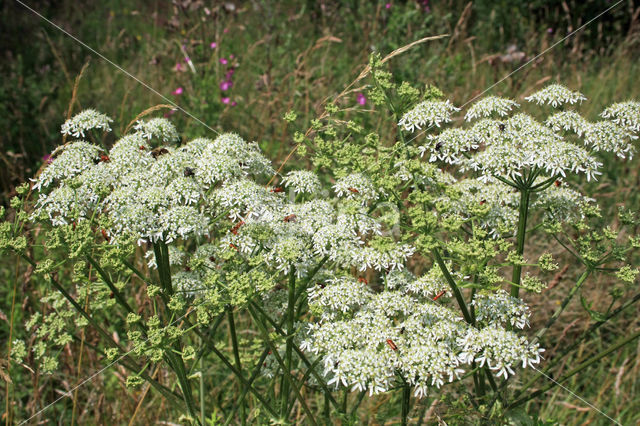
(486, 107)
(159, 128)
(625, 115)
(427, 113)
(85, 121)
(302, 181)
(556, 95)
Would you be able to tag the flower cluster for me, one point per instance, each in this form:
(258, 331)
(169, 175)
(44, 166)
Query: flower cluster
(160, 194)
(366, 338)
(427, 113)
(159, 128)
(490, 105)
(556, 95)
(625, 115)
(302, 181)
(85, 121)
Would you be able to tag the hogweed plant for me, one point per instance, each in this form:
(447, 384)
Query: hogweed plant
(392, 266)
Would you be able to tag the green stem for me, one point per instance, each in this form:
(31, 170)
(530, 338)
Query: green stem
(244, 382)
(118, 296)
(236, 352)
(454, 287)
(406, 401)
(202, 415)
(245, 389)
(291, 309)
(564, 304)
(578, 369)
(560, 355)
(302, 356)
(523, 212)
(281, 362)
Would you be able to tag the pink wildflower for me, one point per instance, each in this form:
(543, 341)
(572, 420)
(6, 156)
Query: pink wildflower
(234, 103)
(213, 45)
(223, 61)
(225, 100)
(387, 6)
(179, 67)
(178, 91)
(361, 99)
(226, 85)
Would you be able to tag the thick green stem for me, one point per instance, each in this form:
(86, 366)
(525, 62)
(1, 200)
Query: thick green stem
(245, 389)
(578, 369)
(406, 401)
(281, 362)
(522, 231)
(291, 310)
(302, 356)
(118, 296)
(176, 363)
(453, 286)
(236, 352)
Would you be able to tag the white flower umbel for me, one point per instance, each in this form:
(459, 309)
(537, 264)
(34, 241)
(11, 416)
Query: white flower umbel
(158, 128)
(560, 203)
(84, 121)
(493, 204)
(160, 194)
(449, 145)
(625, 115)
(302, 181)
(499, 349)
(500, 308)
(609, 137)
(366, 340)
(567, 121)
(486, 107)
(556, 95)
(525, 144)
(356, 187)
(68, 161)
(427, 114)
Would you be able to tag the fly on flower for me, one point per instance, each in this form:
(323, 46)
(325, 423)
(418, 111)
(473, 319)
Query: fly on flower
(188, 171)
(105, 235)
(277, 189)
(157, 152)
(290, 218)
(355, 191)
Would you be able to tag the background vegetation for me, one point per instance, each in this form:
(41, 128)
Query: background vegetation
(277, 56)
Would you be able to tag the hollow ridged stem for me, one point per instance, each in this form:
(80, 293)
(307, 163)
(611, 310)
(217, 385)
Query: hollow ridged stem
(454, 287)
(236, 352)
(523, 212)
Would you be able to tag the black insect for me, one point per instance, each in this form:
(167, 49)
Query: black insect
(502, 127)
(188, 171)
(438, 146)
(402, 330)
